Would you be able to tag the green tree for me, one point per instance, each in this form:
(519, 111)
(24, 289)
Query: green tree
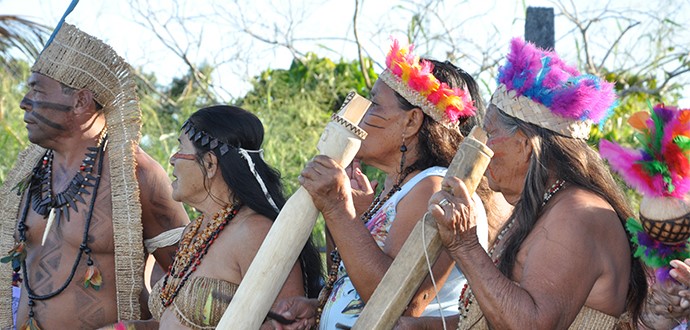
(13, 136)
(294, 106)
(19, 34)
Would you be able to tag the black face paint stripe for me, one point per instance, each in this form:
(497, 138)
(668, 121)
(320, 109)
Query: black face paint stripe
(47, 121)
(374, 126)
(378, 116)
(47, 105)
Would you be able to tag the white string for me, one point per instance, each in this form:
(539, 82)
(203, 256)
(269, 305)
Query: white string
(245, 155)
(431, 273)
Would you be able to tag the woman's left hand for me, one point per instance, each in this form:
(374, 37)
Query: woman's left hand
(328, 185)
(452, 208)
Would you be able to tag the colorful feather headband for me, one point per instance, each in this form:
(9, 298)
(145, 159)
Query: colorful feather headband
(661, 167)
(414, 80)
(538, 87)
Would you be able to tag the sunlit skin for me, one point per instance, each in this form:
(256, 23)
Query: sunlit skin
(509, 164)
(47, 110)
(69, 123)
(384, 123)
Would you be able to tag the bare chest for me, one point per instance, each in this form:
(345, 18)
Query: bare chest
(88, 223)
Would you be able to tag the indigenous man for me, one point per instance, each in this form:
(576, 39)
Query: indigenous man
(72, 214)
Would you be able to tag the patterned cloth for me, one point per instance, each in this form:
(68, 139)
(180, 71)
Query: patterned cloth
(344, 304)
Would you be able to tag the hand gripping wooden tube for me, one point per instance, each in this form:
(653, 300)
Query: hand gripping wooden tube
(409, 268)
(278, 253)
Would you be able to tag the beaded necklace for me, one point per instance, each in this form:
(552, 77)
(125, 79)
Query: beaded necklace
(374, 207)
(17, 256)
(466, 294)
(192, 249)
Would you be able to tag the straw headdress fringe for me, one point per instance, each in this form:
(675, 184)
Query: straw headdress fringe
(9, 212)
(79, 60)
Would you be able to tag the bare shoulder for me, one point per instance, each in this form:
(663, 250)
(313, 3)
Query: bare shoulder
(422, 191)
(576, 215)
(578, 209)
(251, 226)
(148, 168)
(244, 235)
(159, 211)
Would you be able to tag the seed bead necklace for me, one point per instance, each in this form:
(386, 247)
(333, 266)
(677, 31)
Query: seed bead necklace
(18, 254)
(192, 249)
(466, 294)
(374, 207)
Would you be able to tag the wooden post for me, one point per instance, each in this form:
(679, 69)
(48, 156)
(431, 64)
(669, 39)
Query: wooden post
(539, 27)
(284, 242)
(409, 268)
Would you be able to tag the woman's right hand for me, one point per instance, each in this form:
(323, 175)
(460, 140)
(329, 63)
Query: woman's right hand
(363, 190)
(452, 208)
(328, 185)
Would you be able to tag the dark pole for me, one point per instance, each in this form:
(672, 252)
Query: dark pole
(539, 27)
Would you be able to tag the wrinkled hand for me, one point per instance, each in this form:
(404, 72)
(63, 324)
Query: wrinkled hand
(681, 273)
(452, 207)
(298, 308)
(665, 303)
(362, 190)
(328, 185)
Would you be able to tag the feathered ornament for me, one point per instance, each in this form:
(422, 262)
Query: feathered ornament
(415, 81)
(536, 86)
(544, 78)
(93, 278)
(659, 169)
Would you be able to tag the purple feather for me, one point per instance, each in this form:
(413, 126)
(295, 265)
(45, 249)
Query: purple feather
(562, 88)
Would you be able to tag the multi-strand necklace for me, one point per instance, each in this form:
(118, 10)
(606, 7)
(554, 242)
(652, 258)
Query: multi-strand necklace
(374, 207)
(40, 184)
(192, 248)
(466, 294)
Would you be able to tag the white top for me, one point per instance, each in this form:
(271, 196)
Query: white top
(344, 305)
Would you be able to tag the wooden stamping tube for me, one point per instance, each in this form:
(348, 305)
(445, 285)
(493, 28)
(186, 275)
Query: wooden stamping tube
(278, 253)
(409, 268)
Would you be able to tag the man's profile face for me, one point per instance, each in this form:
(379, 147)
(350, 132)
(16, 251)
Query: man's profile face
(47, 109)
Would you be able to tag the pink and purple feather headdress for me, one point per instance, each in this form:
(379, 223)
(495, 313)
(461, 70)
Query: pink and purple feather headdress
(415, 81)
(538, 87)
(661, 167)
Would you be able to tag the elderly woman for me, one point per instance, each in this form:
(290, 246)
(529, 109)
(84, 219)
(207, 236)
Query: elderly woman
(413, 135)
(563, 259)
(220, 172)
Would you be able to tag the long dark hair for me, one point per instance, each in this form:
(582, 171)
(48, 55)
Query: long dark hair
(239, 128)
(438, 144)
(575, 162)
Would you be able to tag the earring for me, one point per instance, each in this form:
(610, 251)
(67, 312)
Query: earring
(403, 150)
